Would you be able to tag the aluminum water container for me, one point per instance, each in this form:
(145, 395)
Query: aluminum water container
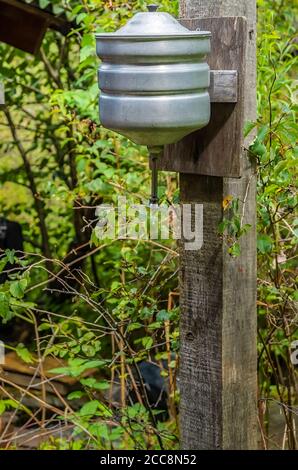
(154, 79)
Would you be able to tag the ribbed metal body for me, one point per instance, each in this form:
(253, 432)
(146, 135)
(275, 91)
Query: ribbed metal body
(154, 80)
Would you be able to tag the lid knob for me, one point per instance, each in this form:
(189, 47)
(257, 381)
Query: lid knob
(153, 7)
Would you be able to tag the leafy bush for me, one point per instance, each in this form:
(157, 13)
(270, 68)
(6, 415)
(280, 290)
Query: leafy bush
(276, 151)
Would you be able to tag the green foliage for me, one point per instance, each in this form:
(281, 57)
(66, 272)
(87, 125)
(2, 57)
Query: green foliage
(275, 150)
(232, 227)
(77, 366)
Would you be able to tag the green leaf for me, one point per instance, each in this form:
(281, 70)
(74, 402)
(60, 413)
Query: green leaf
(258, 148)
(249, 126)
(76, 367)
(2, 407)
(5, 312)
(17, 288)
(86, 51)
(44, 3)
(235, 250)
(244, 229)
(147, 342)
(100, 430)
(21, 303)
(75, 395)
(13, 404)
(134, 326)
(89, 350)
(163, 315)
(147, 313)
(155, 325)
(223, 225)
(264, 243)
(24, 353)
(91, 382)
(88, 40)
(44, 326)
(262, 133)
(80, 17)
(10, 255)
(90, 408)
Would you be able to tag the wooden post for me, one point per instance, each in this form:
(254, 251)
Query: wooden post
(218, 373)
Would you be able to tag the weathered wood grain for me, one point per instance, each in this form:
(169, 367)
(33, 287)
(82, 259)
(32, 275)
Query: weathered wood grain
(223, 86)
(218, 378)
(202, 152)
(208, 8)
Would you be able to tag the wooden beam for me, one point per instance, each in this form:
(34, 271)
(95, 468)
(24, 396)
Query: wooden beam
(223, 86)
(218, 371)
(24, 25)
(20, 28)
(201, 152)
(60, 23)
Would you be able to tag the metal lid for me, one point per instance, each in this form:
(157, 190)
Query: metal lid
(153, 24)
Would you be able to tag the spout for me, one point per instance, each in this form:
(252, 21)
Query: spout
(154, 153)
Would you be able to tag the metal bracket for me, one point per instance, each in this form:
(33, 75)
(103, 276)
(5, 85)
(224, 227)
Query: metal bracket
(202, 152)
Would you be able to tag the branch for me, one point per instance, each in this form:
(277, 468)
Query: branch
(53, 74)
(33, 188)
